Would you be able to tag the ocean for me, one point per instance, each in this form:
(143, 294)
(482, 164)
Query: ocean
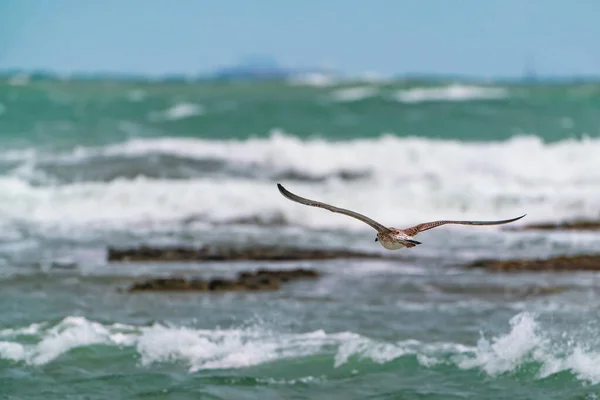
(90, 164)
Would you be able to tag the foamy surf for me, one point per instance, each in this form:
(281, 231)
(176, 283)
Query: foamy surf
(454, 92)
(356, 93)
(529, 343)
(226, 180)
(316, 79)
(509, 160)
(177, 112)
(199, 349)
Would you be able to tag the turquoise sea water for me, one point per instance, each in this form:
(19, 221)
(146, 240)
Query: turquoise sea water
(90, 164)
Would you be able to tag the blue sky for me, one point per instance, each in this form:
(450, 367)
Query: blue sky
(473, 37)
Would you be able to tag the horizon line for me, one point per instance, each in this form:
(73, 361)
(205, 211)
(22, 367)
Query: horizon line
(47, 73)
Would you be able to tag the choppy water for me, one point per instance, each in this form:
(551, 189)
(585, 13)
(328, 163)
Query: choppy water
(85, 165)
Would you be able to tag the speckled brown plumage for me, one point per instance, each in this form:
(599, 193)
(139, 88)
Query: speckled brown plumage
(390, 238)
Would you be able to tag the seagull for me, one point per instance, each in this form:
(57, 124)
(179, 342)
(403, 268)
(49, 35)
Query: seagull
(390, 238)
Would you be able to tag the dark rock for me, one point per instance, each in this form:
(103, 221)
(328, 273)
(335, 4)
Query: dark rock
(342, 174)
(246, 281)
(499, 291)
(222, 285)
(159, 284)
(260, 282)
(270, 220)
(561, 263)
(198, 285)
(576, 225)
(286, 275)
(63, 264)
(228, 253)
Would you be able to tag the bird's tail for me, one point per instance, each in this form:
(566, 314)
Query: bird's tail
(410, 243)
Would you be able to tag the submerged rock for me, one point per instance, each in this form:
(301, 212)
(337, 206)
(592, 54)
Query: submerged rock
(283, 275)
(257, 220)
(583, 262)
(229, 253)
(246, 281)
(491, 291)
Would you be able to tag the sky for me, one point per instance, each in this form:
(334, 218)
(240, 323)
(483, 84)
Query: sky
(487, 38)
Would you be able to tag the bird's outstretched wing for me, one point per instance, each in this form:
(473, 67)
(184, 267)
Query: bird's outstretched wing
(286, 193)
(414, 230)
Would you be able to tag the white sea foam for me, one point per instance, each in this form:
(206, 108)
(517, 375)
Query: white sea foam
(316, 79)
(454, 92)
(526, 342)
(198, 348)
(70, 333)
(177, 112)
(11, 351)
(206, 349)
(505, 353)
(428, 179)
(210, 349)
(352, 94)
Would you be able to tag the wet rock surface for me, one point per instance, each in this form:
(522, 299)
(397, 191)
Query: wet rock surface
(586, 262)
(227, 253)
(260, 280)
(575, 225)
(499, 291)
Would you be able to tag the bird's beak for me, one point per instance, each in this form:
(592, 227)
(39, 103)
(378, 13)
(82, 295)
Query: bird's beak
(376, 239)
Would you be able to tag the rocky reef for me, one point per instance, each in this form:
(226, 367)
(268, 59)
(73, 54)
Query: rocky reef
(229, 253)
(261, 280)
(584, 262)
(575, 225)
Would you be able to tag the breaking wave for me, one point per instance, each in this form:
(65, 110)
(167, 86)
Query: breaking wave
(526, 344)
(455, 92)
(177, 112)
(412, 179)
(356, 93)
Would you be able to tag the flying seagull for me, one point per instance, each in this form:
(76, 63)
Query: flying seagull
(390, 238)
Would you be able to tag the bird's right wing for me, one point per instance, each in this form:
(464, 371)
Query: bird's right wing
(414, 230)
(307, 202)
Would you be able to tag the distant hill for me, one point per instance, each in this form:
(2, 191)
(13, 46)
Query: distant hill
(262, 68)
